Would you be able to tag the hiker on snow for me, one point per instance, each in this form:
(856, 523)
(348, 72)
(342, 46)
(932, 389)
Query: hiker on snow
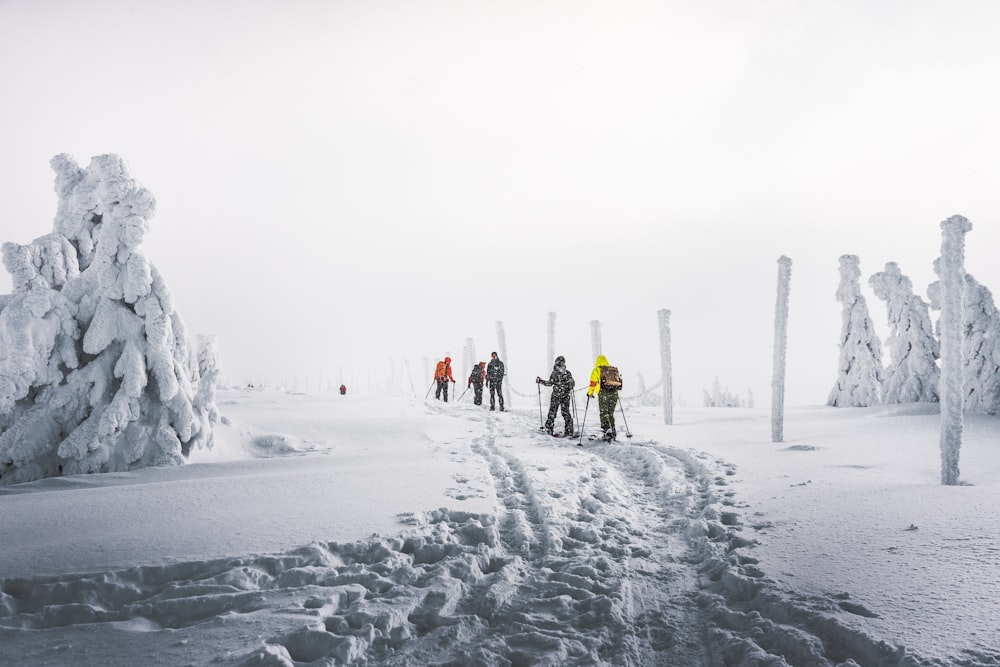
(476, 379)
(494, 379)
(605, 382)
(562, 383)
(442, 375)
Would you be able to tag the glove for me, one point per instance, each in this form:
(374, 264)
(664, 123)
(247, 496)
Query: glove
(538, 380)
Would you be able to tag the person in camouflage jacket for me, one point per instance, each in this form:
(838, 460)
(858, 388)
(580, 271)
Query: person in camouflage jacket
(494, 380)
(562, 383)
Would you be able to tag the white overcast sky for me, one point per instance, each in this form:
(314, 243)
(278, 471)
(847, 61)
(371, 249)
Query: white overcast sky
(345, 185)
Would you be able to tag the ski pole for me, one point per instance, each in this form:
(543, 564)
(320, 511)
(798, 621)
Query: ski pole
(433, 382)
(584, 420)
(541, 422)
(625, 421)
(463, 395)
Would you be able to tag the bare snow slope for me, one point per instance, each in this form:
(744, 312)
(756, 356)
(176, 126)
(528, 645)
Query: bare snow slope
(637, 553)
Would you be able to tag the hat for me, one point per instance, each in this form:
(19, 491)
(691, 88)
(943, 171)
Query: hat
(560, 359)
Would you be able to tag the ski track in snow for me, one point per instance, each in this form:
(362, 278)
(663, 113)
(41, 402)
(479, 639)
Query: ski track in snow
(632, 553)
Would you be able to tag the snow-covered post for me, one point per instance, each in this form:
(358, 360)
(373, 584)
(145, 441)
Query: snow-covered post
(550, 349)
(470, 360)
(502, 345)
(595, 338)
(952, 274)
(780, 348)
(665, 366)
(409, 377)
(859, 376)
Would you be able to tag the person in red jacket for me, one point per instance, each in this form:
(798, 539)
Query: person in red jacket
(442, 375)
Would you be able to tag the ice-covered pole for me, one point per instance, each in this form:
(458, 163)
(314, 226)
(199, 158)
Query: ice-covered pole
(666, 366)
(550, 350)
(951, 270)
(470, 356)
(780, 346)
(595, 338)
(502, 344)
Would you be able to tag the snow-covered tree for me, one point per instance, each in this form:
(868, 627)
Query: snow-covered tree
(912, 375)
(780, 348)
(859, 373)
(981, 349)
(950, 268)
(721, 398)
(980, 345)
(96, 372)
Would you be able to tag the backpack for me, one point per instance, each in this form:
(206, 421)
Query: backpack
(611, 379)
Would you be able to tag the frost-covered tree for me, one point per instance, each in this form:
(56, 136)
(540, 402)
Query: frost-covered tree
(980, 344)
(96, 372)
(721, 398)
(912, 375)
(951, 289)
(981, 349)
(859, 373)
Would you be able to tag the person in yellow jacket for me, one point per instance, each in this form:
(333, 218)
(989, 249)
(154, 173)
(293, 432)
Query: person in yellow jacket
(607, 397)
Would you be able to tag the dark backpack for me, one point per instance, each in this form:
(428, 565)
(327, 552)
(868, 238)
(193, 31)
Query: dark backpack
(611, 379)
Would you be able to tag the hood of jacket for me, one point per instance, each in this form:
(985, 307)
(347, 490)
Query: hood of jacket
(602, 360)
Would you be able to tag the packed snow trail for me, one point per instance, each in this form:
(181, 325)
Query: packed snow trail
(631, 553)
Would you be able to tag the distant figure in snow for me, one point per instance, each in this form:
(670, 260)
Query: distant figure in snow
(562, 383)
(494, 379)
(442, 375)
(605, 382)
(343, 389)
(476, 379)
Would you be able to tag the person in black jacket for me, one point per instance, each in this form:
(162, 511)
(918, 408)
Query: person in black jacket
(494, 380)
(562, 383)
(476, 378)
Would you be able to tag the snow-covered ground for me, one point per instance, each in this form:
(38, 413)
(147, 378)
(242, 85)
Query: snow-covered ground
(391, 531)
